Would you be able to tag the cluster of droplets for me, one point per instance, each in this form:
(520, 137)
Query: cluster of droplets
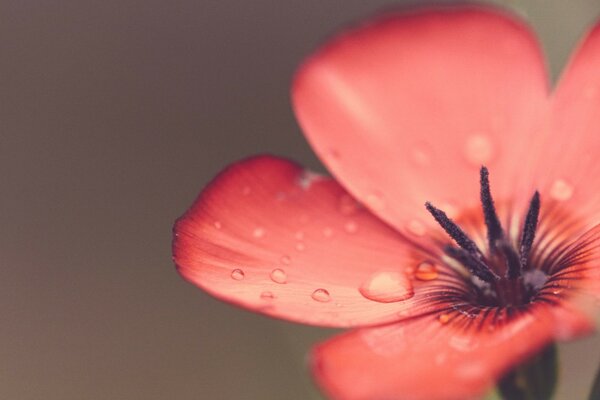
(384, 286)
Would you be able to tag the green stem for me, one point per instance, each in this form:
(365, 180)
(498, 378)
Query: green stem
(533, 380)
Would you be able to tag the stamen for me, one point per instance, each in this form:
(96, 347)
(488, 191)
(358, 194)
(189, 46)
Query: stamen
(454, 231)
(513, 263)
(472, 263)
(529, 227)
(494, 229)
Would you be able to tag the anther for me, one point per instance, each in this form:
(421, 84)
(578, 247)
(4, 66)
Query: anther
(454, 231)
(494, 229)
(473, 264)
(529, 227)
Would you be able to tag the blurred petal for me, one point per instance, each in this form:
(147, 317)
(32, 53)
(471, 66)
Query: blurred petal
(426, 359)
(407, 107)
(269, 236)
(566, 157)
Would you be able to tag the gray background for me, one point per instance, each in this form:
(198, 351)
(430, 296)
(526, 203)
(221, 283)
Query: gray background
(113, 115)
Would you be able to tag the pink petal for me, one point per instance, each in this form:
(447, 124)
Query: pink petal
(407, 107)
(567, 153)
(426, 359)
(268, 236)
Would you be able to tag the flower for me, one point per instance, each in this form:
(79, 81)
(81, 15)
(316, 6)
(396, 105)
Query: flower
(404, 110)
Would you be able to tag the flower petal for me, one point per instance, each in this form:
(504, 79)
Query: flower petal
(407, 107)
(426, 359)
(568, 167)
(269, 236)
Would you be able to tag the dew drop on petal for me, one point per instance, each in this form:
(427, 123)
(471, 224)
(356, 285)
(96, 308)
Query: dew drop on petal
(347, 205)
(321, 295)
(258, 232)
(246, 190)
(444, 319)
(449, 209)
(387, 287)
(286, 260)
(416, 227)
(300, 246)
(375, 201)
(351, 227)
(332, 154)
(561, 190)
(590, 92)
(479, 149)
(237, 274)
(278, 276)
(420, 157)
(218, 224)
(266, 295)
(426, 271)
(440, 358)
(299, 235)
(327, 232)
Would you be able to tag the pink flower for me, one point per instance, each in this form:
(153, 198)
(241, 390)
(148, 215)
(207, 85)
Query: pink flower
(403, 110)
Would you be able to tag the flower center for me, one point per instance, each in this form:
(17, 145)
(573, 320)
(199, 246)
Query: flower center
(502, 276)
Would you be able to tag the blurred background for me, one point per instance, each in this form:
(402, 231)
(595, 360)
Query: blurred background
(113, 115)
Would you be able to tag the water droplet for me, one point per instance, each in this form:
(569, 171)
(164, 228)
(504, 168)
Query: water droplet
(479, 149)
(375, 201)
(387, 287)
(416, 227)
(307, 178)
(266, 295)
(426, 271)
(347, 205)
(286, 260)
(278, 276)
(321, 295)
(444, 319)
(333, 154)
(463, 343)
(420, 157)
(218, 224)
(350, 227)
(300, 246)
(449, 209)
(590, 92)
(440, 358)
(299, 235)
(237, 274)
(327, 232)
(258, 233)
(246, 190)
(561, 190)
(557, 291)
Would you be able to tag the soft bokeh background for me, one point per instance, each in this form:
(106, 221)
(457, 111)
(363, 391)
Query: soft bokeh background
(113, 115)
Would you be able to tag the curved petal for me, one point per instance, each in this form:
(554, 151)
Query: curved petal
(432, 358)
(268, 236)
(568, 167)
(407, 107)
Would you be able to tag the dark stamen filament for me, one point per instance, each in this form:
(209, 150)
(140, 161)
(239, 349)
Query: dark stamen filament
(500, 248)
(454, 231)
(529, 228)
(473, 264)
(494, 229)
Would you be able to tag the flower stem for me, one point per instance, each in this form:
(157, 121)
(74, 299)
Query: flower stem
(533, 380)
